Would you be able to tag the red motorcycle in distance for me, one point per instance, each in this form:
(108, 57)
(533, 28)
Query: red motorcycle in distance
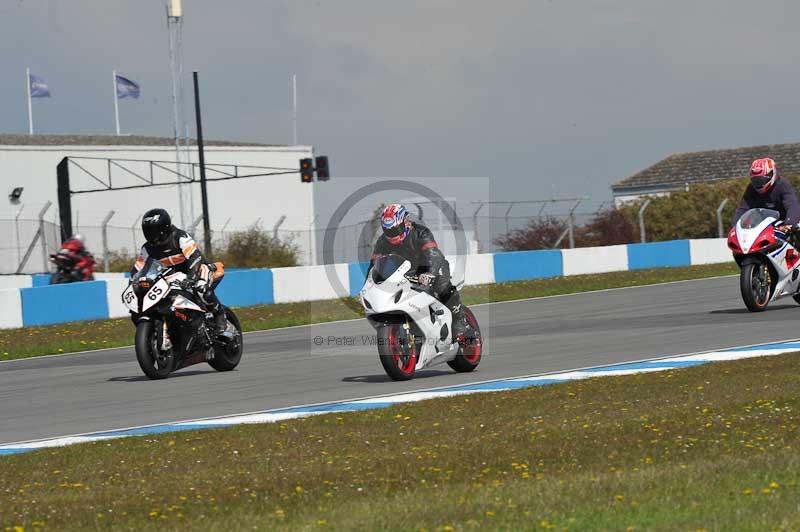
(769, 261)
(71, 268)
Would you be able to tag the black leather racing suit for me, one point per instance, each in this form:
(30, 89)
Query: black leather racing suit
(180, 251)
(420, 248)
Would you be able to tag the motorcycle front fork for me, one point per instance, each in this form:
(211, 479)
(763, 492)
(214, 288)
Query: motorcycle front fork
(166, 342)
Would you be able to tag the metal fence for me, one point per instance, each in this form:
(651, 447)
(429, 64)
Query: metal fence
(32, 237)
(27, 251)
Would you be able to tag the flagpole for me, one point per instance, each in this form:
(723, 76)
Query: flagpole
(30, 107)
(294, 106)
(116, 99)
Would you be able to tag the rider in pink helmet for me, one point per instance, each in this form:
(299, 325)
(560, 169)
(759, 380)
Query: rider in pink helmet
(767, 190)
(415, 243)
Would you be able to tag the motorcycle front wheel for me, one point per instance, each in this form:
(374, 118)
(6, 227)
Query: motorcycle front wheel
(755, 282)
(397, 351)
(155, 363)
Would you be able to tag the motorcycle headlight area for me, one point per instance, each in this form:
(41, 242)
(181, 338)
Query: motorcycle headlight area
(141, 286)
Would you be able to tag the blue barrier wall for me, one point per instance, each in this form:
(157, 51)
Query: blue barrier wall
(62, 303)
(357, 275)
(659, 254)
(40, 279)
(42, 305)
(241, 288)
(522, 265)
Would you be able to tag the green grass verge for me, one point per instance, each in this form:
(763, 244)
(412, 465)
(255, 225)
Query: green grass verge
(80, 336)
(713, 447)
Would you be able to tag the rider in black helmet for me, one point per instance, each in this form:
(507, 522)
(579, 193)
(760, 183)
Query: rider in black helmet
(175, 247)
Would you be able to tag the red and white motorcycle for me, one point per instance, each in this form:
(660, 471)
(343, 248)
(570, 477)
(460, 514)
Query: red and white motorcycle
(414, 329)
(770, 265)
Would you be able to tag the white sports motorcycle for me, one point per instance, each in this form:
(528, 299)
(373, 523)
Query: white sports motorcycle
(770, 265)
(414, 329)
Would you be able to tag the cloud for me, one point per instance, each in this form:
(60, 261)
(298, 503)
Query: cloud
(588, 91)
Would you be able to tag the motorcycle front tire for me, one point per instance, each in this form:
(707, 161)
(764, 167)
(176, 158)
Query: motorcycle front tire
(753, 301)
(397, 352)
(146, 349)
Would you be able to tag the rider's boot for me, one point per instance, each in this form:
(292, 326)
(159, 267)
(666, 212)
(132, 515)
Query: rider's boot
(220, 320)
(459, 322)
(459, 319)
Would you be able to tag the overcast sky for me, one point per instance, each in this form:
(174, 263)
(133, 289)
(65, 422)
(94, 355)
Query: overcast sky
(559, 97)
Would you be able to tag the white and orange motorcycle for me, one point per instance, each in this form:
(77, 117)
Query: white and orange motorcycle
(769, 262)
(174, 327)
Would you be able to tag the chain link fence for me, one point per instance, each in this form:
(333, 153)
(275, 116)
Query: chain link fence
(29, 241)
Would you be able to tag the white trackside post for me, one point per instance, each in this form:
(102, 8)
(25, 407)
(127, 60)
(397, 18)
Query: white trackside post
(116, 99)
(30, 105)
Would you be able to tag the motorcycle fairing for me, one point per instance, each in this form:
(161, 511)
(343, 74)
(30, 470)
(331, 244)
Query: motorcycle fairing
(155, 294)
(396, 296)
(183, 302)
(784, 260)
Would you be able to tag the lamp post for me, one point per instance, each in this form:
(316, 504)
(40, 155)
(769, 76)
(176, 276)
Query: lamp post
(14, 198)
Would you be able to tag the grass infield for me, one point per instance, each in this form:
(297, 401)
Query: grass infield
(713, 447)
(84, 335)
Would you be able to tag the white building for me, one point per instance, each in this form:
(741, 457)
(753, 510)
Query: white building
(30, 162)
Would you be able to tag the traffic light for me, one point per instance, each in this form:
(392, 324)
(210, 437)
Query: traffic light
(306, 171)
(323, 174)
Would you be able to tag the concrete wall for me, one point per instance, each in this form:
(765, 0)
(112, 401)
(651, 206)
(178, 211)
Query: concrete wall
(709, 251)
(10, 309)
(40, 305)
(15, 281)
(310, 283)
(583, 261)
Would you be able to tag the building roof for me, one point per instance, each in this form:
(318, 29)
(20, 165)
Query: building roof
(105, 140)
(711, 165)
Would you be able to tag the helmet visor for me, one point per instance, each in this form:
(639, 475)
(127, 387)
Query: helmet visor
(761, 181)
(393, 232)
(155, 235)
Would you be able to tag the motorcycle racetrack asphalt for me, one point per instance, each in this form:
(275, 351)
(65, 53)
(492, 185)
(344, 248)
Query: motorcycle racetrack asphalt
(105, 390)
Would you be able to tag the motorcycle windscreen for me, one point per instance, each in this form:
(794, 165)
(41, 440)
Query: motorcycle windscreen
(385, 266)
(151, 269)
(754, 217)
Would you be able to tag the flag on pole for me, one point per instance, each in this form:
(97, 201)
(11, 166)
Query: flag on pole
(126, 88)
(38, 87)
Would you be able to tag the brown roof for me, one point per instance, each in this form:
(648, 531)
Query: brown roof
(711, 165)
(105, 140)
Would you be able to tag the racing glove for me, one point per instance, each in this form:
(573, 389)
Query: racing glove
(426, 278)
(200, 286)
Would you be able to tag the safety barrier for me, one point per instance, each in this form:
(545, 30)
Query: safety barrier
(27, 302)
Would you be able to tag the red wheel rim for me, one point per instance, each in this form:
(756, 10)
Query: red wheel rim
(471, 350)
(404, 359)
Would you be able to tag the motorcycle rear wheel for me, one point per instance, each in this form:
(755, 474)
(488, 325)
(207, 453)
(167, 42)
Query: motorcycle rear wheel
(154, 363)
(397, 351)
(228, 358)
(755, 283)
(469, 355)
